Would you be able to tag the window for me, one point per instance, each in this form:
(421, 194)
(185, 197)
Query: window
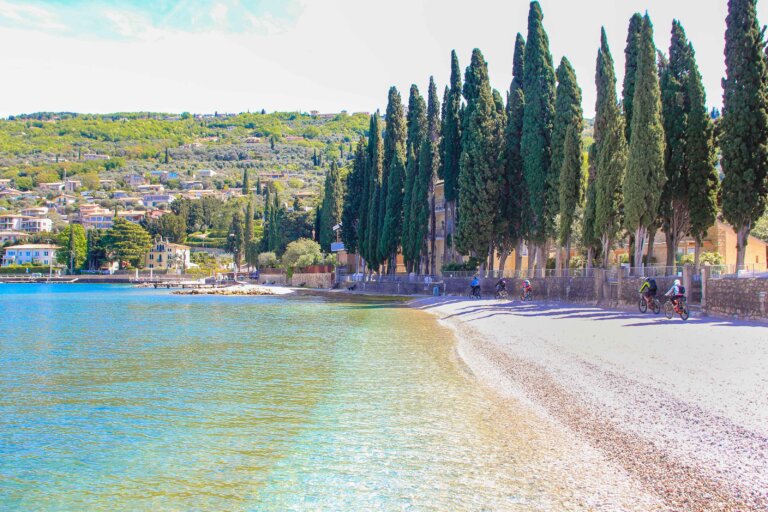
(45, 253)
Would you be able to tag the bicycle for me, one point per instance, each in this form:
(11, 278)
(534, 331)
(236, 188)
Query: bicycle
(681, 308)
(475, 294)
(527, 296)
(644, 303)
(501, 294)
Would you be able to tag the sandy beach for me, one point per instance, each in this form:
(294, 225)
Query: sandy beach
(241, 289)
(677, 411)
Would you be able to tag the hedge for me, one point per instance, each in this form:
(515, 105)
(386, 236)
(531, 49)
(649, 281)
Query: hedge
(22, 269)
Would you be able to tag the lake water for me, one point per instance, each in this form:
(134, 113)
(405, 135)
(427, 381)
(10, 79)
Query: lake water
(116, 398)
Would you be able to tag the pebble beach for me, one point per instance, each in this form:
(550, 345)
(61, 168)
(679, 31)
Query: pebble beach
(678, 410)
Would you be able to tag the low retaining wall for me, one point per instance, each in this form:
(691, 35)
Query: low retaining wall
(745, 298)
(315, 280)
(273, 278)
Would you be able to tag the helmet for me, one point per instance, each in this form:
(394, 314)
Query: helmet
(677, 282)
(527, 282)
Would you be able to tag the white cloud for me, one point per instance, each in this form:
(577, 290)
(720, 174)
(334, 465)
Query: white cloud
(30, 16)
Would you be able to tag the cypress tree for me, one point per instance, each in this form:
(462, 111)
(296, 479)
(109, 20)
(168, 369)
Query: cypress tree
(394, 142)
(645, 164)
(744, 140)
(515, 200)
(258, 186)
(365, 199)
(630, 69)
(428, 163)
(568, 114)
(250, 252)
(589, 238)
(332, 206)
(676, 106)
(610, 151)
(353, 192)
(480, 180)
(246, 183)
(375, 156)
(700, 157)
(451, 149)
(539, 92)
(235, 241)
(417, 129)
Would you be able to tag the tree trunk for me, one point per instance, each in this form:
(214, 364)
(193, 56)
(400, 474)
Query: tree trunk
(605, 241)
(671, 247)
(651, 240)
(696, 254)
(542, 257)
(590, 258)
(518, 259)
(491, 262)
(742, 237)
(639, 246)
(567, 256)
(558, 261)
(531, 258)
(432, 231)
(503, 255)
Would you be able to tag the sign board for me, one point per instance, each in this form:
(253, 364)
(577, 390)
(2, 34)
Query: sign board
(337, 246)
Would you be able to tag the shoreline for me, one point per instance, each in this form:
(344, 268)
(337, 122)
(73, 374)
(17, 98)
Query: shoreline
(681, 445)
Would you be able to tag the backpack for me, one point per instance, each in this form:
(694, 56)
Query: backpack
(681, 290)
(652, 285)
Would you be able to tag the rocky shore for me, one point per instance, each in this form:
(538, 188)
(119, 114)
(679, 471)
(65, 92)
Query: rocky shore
(681, 408)
(247, 289)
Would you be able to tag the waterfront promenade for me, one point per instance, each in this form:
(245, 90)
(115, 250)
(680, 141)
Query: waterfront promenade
(680, 406)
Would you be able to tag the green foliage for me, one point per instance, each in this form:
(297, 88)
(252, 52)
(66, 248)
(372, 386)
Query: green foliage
(610, 149)
(744, 141)
(470, 265)
(249, 244)
(236, 239)
(353, 191)
(374, 166)
(700, 156)
(539, 93)
(645, 165)
(571, 182)
(417, 130)
(393, 178)
(267, 260)
(332, 206)
(514, 196)
(170, 226)
(127, 242)
(481, 175)
(451, 141)
(631, 52)
(72, 241)
(302, 253)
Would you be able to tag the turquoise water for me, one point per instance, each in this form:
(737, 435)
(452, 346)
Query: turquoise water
(115, 398)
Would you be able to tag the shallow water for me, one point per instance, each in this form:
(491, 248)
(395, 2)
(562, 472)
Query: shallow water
(115, 398)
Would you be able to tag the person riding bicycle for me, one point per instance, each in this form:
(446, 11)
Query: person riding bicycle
(527, 288)
(648, 288)
(676, 293)
(475, 284)
(501, 285)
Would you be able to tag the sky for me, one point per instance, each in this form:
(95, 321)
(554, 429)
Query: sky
(203, 56)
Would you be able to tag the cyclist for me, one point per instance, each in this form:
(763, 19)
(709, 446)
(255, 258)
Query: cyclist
(648, 288)
(501, 285)
(475, 286)
(676, 293)
(527, 288)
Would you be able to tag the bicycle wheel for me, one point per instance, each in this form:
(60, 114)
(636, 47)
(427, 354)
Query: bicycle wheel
(656, 306)
(642, 305)
(669, 310)
(684, 313)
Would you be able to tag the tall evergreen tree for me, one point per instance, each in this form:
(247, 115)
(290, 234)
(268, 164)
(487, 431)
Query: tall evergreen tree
(480, 179)
(417, 129)
(610, 151)
(700, 156)
(645, 164)
(515, 197)
(568, 113)
(375, 163)
(744, 140)
(250, 248)
(332, 206)
(676, 106)
(394, 142)
(539, 92)
(451, 150)
(427, 170)
(246, 182)
(630, 70)
(353, 192)
(589, 238)
(236, 239)
(566, 154)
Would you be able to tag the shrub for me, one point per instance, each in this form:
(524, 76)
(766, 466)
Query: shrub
(302, 253)
(267, 260)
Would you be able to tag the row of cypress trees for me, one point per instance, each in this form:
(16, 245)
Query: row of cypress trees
(515, 172)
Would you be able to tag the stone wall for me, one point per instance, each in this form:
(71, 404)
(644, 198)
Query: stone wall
(630, 285)
(279, 279)
(313, 280)
(740, 297)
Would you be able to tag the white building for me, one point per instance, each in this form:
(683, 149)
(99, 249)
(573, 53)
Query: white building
(156, 200)
(30, 254)
(206, 173)
(36, 225)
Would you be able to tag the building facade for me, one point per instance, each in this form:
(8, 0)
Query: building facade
(30, 254)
